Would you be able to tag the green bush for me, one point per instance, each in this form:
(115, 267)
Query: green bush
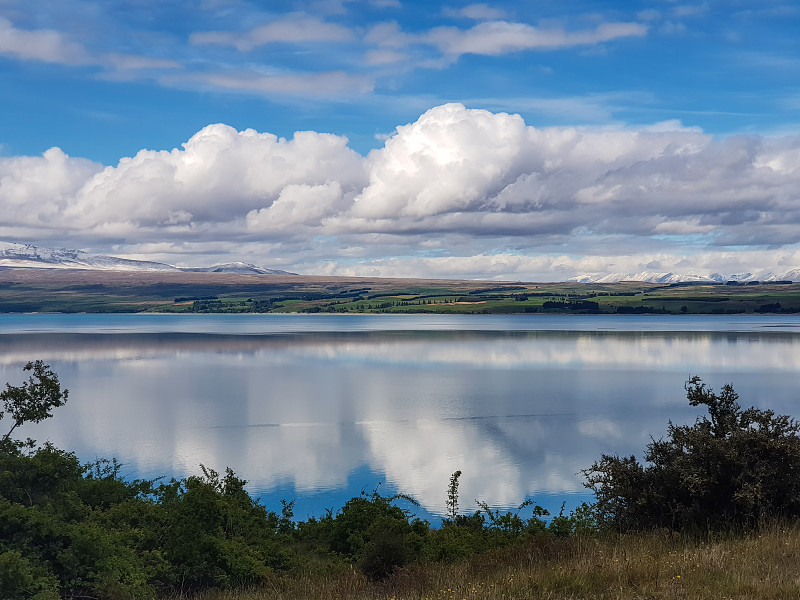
(22, 578)
(68, 556)
(43, 518)
(375, 533)
(215, 535)
(386, 548)
(730, 469)
(512, 524)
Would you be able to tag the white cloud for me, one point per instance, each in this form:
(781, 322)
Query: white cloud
(388, 35)
(435, 166)
(648, 15)
(128, 62)
(458, 193)
(515, 267)
(37, 189)
(501, 37)
(381, 56)
(296, 29)
(298, 204)
(599, 108)
(477, 12)
(371, 51)
(690, 10)
(326, 85)
(43, 44)
(219, 175)
(51, 46)
(492, 38)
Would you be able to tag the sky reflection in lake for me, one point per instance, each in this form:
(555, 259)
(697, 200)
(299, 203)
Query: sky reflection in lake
(319, 408)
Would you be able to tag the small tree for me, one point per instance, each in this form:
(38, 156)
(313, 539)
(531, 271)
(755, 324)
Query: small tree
(33, 401)
(730, 469)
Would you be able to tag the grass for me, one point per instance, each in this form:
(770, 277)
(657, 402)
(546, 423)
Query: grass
(88, 291)
(658, 565)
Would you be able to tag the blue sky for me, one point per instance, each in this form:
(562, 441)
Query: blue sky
(519, 140)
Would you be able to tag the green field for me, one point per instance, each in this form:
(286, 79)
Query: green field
(97, 292)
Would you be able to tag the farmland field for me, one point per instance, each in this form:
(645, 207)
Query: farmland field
(41, 290)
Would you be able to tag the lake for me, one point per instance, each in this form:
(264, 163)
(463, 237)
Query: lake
(318, 408)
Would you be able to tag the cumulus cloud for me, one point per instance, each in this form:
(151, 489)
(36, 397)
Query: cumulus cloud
(459, 193)
(517, 267)
(37, 189)
(447, 161)
(220, 174)
(299, 204)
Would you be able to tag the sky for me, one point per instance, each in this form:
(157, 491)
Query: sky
(518, 140)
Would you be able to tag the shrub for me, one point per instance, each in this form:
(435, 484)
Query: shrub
(215, 535)
(386, 548)
(21, 578)
(512, 524)
(374, 532)
(729, 469)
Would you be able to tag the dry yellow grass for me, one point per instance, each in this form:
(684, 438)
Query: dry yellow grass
(763, 566)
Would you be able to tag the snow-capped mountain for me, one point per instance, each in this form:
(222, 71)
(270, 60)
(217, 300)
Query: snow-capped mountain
(647, 277)
(644, 277)
(237, 267)
(28, 256)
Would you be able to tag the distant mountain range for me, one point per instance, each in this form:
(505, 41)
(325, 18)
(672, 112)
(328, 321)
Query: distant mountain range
(28, 256)
(647, 277)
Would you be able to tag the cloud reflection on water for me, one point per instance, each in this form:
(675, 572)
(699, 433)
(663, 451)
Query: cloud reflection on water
(520, 413)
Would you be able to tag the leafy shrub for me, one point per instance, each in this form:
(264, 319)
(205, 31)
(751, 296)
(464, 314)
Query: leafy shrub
(386, 548)
(215, 535)
(464, 535)
(22, 578)
(512, 524)
(375, 532)
(67, 556)
(73, 530)
(731, 468)
(561, 525)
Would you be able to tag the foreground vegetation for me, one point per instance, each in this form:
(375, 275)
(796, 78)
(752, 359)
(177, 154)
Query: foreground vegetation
(87, 291)
(713, 512)
(655, 565)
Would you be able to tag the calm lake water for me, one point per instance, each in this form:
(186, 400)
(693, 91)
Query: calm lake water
(317, 408)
